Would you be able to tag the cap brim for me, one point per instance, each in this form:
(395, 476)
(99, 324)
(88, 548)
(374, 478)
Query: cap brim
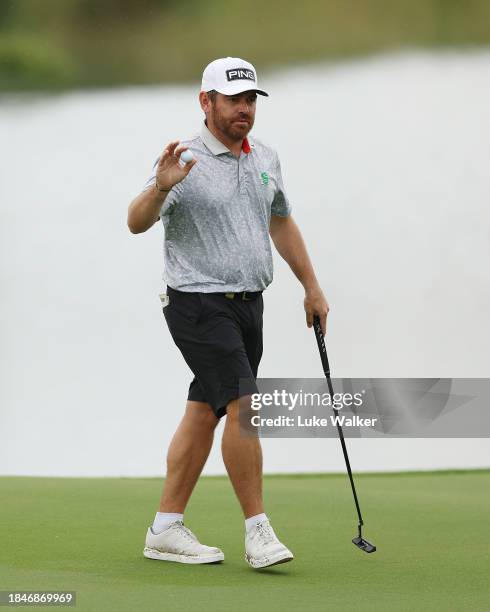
(240, 88)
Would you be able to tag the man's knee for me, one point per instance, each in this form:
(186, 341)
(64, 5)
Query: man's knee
(240, 411)
(238, 406)
(232, 409)
(201, 414)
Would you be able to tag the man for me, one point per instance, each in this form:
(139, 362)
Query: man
(219, 212)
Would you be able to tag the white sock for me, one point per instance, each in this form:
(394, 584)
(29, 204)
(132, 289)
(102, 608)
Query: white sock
(163, 520)
(253, 520)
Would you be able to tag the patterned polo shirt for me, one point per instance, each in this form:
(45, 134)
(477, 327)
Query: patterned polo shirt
(216, 221)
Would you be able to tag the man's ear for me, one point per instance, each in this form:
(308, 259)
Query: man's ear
(204, 101)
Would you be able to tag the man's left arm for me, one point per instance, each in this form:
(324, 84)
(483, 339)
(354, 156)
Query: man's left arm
(290, 245)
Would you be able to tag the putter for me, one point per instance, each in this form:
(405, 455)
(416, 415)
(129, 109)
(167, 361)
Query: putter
(359, 541)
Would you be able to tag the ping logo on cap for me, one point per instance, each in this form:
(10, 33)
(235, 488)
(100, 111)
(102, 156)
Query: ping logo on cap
(240, 73)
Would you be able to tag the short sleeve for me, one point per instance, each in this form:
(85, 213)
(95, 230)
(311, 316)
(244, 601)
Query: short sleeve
(280, 204)
(171, 198)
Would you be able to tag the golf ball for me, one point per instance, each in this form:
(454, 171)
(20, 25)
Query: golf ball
(186, 156)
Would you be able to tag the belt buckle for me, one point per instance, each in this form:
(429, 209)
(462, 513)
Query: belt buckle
(230, 296)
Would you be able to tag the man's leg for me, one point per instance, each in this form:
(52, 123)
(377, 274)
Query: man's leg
(242, 456)
(187, 455)
(243, 459)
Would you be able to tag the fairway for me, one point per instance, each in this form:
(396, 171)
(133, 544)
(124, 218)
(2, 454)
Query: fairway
(87, 535)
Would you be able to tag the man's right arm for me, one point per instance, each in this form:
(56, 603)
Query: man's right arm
(144, 210)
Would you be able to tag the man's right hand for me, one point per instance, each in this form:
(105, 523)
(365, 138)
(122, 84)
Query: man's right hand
(144, 210)
(168, 171)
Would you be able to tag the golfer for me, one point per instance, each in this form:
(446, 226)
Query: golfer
(219, 212)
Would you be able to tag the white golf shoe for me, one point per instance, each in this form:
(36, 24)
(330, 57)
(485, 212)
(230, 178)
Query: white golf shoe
(178, 543)
(262, 547)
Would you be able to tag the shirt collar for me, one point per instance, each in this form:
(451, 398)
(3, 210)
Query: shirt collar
(216, 146)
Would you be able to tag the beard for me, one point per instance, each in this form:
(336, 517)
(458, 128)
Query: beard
(228, 127)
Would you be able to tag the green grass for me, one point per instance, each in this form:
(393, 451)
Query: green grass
(431, 530)
(57, 44)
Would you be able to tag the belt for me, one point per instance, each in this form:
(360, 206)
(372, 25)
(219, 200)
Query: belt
(246, 296)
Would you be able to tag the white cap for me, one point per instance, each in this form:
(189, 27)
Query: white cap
(230, 76)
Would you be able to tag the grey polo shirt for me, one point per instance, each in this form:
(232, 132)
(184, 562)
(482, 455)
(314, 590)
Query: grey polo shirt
(216, 220)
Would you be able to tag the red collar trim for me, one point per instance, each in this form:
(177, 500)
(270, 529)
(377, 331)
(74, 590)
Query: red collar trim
(246, 146)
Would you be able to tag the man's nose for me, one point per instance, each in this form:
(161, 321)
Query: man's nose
(244, 106)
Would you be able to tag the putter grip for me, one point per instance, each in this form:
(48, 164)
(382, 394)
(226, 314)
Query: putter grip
(321, 345)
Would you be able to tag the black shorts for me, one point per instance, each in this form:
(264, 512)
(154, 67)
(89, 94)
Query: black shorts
(221, 341)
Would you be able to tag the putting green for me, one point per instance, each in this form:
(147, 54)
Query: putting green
(87, 535)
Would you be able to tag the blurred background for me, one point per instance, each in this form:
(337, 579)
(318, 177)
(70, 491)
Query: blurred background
(379, 112)
(61, 44)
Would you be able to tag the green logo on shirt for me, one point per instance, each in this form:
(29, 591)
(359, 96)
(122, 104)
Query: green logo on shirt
(265, 178)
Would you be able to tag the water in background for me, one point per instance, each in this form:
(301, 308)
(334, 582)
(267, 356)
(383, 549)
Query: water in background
(386, 164)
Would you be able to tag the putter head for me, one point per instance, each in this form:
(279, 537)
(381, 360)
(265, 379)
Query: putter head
(364, 544)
